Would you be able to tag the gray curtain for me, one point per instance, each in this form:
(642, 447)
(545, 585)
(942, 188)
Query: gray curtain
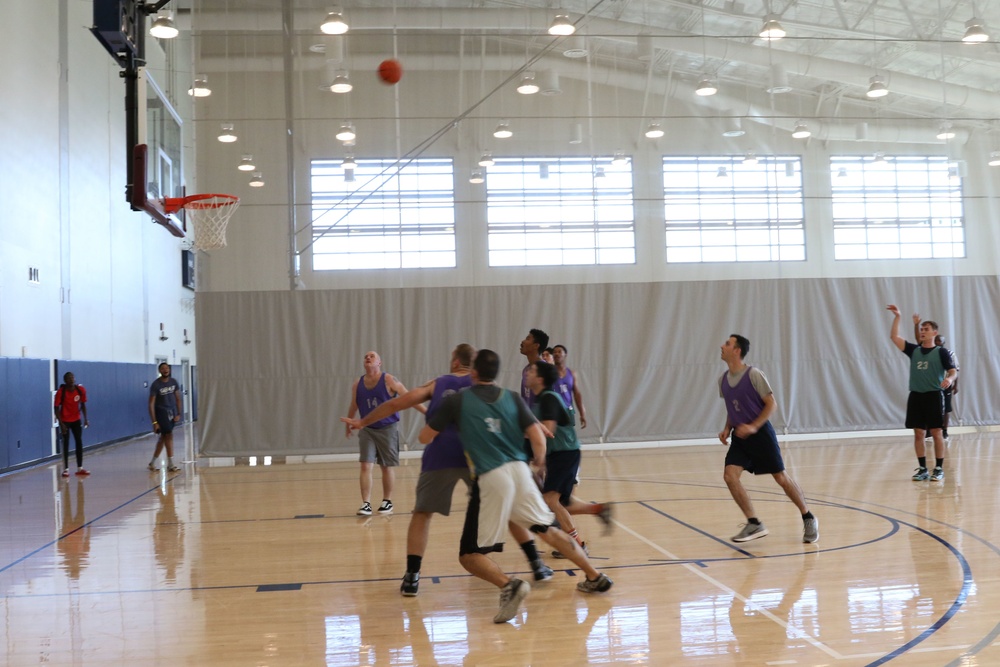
(275, 368)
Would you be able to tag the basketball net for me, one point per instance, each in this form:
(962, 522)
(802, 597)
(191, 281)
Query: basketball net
(209, 217)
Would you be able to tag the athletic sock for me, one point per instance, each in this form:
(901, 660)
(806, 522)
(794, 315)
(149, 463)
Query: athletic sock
(754, 520)
(940, 463)
(922, 460)
(807, 516)
(529, 550)
(413, 563)
(576, 536)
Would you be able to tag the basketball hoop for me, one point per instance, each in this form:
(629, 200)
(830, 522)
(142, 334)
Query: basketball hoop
(209, 214)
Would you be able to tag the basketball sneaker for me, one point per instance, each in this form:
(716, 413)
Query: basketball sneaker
(82, 472)
(510, 599)
(385, 507)
(920, 474)
(365, 509)
(936, 476)
(810, 532)
(541, 571)
(605, 516)
(559, 554)
(599, 585)
(751, 531)
(65, 473)
(411, 582)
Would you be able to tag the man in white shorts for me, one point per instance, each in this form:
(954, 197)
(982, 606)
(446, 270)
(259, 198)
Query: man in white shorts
(493, 423)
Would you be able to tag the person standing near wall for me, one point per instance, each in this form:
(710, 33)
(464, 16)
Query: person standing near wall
(165, 411)
(378, 442)
(948, 392)
(931, 371)
(566, 386)
(749, 405)
(70, 404)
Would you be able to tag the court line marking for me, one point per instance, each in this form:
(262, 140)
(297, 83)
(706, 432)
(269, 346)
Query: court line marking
(799, 634)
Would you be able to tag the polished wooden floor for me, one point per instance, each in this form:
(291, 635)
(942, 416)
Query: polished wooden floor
(268, 565)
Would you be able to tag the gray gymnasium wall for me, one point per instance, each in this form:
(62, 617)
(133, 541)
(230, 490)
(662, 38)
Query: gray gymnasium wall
(276, 367)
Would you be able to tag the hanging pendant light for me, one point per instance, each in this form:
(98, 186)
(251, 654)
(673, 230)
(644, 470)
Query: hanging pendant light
(227, 135)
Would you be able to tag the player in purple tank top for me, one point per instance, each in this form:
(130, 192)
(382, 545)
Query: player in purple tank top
(443, 465)
(566, 385)
(749, 405)
(379, 442)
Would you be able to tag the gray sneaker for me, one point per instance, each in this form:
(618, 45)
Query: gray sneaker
(599, 585)
(605, 516)
(920, 475)
(750, 531)
(510, 599)
(810, 533)
(936, 476)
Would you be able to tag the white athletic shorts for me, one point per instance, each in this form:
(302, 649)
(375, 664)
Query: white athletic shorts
(509, 493)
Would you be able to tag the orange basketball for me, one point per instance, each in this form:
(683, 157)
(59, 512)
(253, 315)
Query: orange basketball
(390, 71)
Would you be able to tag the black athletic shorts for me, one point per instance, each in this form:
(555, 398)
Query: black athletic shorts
(925, 410)
(560, 473)
(759, 454)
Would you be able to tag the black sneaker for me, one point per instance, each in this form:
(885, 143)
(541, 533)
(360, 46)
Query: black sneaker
(365, 509)
(936, 476)
(541, 570)
(385, 507)
(411, 581)
(920, 475)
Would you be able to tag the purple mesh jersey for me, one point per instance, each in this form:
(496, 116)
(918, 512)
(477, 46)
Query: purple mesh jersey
(743, 402)
(564, 387)
(445, 450)
(369, 399)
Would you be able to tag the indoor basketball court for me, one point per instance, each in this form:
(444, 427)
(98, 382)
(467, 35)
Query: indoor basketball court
(268, 565)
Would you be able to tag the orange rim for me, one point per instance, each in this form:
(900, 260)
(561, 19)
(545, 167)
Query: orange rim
(174, 204)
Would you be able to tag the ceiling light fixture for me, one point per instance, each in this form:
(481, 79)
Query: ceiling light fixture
(349, 164)
(200, 87)
(486, 160)
(842, 172)
(228, 134)
(163, 26)
(779, 80)
(750, 159)
(528, 85)
(341, 83)
(561, 26)
(477, 176)
(654, 131)
(246, 164)
(599, 172)
(801, 131)
(734, 128)
(334, 23)
(880, 160)
(619, 159)
(503, 131)
(877, 87)
(772, 30)
(994, 159)
(257, 181)
(945, 131)
(346, 132)
(975, 33)
(722, 172)
(706, 87)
